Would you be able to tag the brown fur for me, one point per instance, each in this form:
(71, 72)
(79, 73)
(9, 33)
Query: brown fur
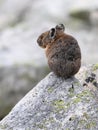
(63, 53)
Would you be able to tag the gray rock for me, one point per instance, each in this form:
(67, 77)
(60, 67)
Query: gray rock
(58, 104)
(15, 82)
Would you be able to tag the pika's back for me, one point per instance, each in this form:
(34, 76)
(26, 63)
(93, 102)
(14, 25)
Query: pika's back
(64, 47)
(62, 51)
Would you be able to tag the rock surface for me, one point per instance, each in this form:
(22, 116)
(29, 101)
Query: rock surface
(58, 104)
(15, 82)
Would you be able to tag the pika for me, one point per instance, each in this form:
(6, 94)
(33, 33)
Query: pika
(62, 51)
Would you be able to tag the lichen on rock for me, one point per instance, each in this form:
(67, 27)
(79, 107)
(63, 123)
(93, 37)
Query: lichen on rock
(58, 104)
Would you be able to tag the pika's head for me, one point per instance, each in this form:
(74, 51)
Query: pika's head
(50, 36)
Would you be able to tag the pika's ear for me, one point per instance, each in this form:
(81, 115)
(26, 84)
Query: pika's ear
(52, 33)
(60, 27)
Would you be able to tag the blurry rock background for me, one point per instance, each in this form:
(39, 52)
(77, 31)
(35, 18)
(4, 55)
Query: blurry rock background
(22, 61)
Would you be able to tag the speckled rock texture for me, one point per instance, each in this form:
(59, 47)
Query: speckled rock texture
(58, 104)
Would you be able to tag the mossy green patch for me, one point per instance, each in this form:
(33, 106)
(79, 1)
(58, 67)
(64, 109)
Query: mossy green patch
(67, 129)
(80, 14)
(76, 100)
(3, 127)
(86, 115)
(71, 90)
(85, 93)
(59, 105)
(50, 90)
(51, 120)
(82, 122)
(68, 104)
(41, 126)
(95, 67)
(90, 125)
(71, 95)
(77, 83)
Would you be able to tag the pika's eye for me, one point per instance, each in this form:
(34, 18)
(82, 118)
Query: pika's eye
(52, 33)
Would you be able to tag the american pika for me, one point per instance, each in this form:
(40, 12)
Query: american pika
(62, 51)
